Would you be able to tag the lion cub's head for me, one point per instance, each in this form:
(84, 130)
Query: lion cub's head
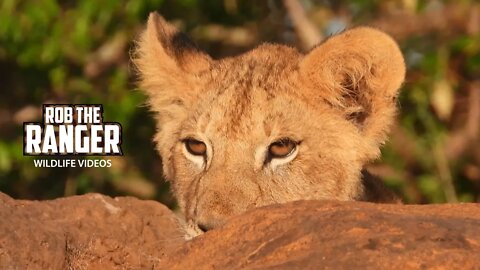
(271, 125)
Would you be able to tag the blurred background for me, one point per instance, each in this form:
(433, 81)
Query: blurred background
(78, 52)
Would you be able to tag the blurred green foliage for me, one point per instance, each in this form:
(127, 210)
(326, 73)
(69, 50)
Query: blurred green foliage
(78, 52)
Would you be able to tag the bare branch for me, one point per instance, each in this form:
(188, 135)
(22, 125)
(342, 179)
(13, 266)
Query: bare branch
(306, 31)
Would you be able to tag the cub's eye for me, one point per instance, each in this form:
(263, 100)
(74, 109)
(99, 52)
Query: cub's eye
(282, 148)
(194, 147)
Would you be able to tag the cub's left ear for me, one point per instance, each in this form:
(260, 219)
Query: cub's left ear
(360, 72)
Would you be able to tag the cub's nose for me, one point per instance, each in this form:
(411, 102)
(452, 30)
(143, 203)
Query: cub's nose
(209, 224)
(204, 227)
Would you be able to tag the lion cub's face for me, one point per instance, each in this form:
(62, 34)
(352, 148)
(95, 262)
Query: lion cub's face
(269, 126)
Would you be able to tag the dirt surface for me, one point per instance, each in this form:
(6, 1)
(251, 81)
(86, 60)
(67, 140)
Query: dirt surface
(86, 232)
(97, 232)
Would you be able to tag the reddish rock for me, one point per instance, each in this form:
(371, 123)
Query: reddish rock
(336, 235)
(86, 232)
(97, 232)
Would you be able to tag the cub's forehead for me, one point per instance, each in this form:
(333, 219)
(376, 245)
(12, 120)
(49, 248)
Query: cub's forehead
(264, 67)
(249, 92)
(250, 111)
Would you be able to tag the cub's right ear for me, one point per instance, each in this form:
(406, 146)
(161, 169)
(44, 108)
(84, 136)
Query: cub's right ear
(167, 62)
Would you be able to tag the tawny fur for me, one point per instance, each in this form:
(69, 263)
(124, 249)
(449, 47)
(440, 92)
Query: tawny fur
(338, 101)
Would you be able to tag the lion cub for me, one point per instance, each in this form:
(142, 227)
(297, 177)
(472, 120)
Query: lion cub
(271, 125)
